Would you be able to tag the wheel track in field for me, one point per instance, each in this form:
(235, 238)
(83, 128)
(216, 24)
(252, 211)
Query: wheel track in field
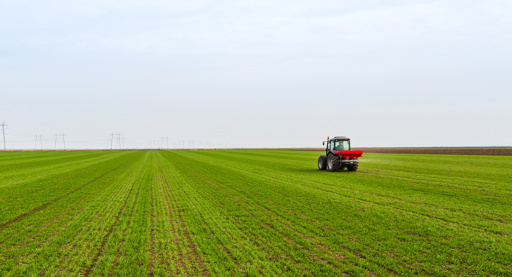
(405, 209)
(256, 242)
(105, 207)
(225, 250)
(118, 254)
(472, 214)
(151, 263)
(230, 255)
(354, 252)
(388, 207)
(110, 231)
(60, 265)
(246, 230)
(373, 202)
(191, 245)
(313, 256)
(179, 264)
(44, 206)
(447, 222)
(437, 180)
(267, 226)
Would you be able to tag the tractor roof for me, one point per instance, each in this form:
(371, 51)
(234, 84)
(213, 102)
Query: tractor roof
(340, 138)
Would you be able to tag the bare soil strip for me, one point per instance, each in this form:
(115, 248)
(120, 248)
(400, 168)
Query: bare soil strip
(183, 226)
(151, 264)
(491, 150)
(178, 261)
(495, 151)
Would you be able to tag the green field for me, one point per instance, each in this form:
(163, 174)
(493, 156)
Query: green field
(243, 212)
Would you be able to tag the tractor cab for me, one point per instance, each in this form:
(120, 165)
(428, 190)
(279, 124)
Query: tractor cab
(337, 144)
(338, 155)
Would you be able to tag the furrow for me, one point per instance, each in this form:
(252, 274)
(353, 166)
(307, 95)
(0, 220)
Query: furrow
(191, 245)
(108, 234)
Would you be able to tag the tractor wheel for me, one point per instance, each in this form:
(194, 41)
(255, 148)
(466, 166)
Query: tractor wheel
(333, 163)
(353, 167)
(322, 162)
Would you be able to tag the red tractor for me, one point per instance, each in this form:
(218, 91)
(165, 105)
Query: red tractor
(338, 155)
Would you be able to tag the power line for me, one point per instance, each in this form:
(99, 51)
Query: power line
(164, 140)
(63, 140)
(118, 141)
(40, 141)
(3, 131)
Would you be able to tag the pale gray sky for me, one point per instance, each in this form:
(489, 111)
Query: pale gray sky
(257, 73)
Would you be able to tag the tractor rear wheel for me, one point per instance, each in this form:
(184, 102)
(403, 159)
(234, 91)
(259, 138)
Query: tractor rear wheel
(333, 163)
(353, 167)
(322, 162)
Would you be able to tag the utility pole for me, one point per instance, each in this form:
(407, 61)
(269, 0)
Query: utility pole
(63, 140)
(119, 140)
(3, 132)
(40, 141)
(165, 141)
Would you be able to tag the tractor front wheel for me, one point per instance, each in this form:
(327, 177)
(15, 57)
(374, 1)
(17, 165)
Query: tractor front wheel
(333, 163)
(322, 162)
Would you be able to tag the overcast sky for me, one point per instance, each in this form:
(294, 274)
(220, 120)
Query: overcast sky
(256, 73)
